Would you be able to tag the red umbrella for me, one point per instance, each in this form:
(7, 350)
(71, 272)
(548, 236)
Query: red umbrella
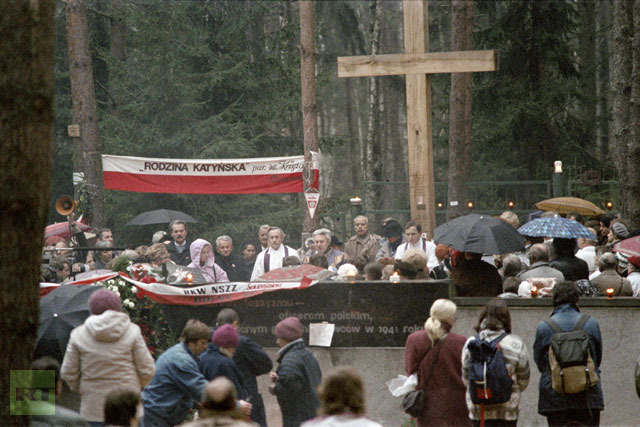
(296, 273)
(62, 229)
(629, 247)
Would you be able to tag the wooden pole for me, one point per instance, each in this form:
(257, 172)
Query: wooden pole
(418, 87)
(309, 106)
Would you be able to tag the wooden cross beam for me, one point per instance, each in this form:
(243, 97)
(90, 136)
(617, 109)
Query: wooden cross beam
(417, 63)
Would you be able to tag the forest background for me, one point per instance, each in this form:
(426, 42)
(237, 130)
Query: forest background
(221, 79)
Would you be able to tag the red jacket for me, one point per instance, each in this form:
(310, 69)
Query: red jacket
(445, 390)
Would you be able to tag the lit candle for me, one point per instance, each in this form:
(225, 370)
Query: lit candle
(534, 292)
(351, 275)
(610, 293)
(395, 277)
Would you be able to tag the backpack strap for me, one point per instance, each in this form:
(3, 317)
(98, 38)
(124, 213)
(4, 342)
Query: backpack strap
(581, 322)
(553, 325)
(556, 328)
(500, 338)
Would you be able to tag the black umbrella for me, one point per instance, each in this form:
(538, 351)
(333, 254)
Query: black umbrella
(481, 234)
(160, 216)
(61, 310)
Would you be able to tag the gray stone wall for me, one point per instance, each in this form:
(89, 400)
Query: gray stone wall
(620, 329)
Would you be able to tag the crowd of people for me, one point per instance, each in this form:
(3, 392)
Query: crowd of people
(454, 358)
(212, 371)
(208, 378)
(403, 251)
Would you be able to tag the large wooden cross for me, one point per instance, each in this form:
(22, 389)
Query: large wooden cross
(417, 63)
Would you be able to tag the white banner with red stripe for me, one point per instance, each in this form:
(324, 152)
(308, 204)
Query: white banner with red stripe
(199, 294)
(201, 176)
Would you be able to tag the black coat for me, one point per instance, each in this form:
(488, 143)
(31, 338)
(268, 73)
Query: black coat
(183, 258)
(252, 361)
(476, 278)
(572, 267)
(215, 364)
(233, 265)
(298, 377)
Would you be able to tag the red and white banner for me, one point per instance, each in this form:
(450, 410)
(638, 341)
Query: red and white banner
(200, 294)
(221, 176)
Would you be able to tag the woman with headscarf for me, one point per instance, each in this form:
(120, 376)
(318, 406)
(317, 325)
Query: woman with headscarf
(435, 354)
(203, 259)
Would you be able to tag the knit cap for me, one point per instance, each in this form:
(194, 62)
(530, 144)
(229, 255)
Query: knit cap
(289, 329)
(226, 336)
(103, 300)
(620, 230)
(635, 260)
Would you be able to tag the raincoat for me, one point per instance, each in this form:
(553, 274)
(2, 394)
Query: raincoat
(105, 353)
(211, 271)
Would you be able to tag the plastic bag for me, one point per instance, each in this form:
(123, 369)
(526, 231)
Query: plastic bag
(402, 385)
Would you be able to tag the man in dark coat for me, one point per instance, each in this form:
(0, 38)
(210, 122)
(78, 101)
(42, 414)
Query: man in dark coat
(251, 361)
(179, 246)
(297, 377)
(568, 409)
(572, 267)
(473, 277)
(231, 263)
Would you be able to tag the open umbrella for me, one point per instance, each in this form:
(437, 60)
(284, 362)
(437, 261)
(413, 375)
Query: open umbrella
(61, 310)
(565, 205)
(62, 229)
(556, 227)
(629, 247)
(480, 234)
(160, 216)
(296, 273)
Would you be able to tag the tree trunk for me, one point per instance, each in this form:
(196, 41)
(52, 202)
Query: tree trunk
(354, 139)
(26, 126)
(622, 67)
(373, 117)
(603, 21)
(587, 62)
(117, 48)
(460, 108)
(83, 101)
(632, 201)
(309, 106)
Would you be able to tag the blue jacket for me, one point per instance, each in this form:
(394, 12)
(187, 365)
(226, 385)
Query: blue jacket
(252, 361)
(176, 387)
(298, 378)
(215, 364)
(549, 401)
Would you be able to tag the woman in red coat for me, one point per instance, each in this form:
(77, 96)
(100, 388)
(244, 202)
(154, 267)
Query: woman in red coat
(440, 379)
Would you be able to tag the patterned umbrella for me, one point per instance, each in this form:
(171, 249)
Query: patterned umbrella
(556, 227)
(296, 273)
(565, 205)
(629, 247)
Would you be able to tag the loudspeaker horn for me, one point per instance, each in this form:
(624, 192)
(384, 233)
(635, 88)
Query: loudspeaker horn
(65, 205)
